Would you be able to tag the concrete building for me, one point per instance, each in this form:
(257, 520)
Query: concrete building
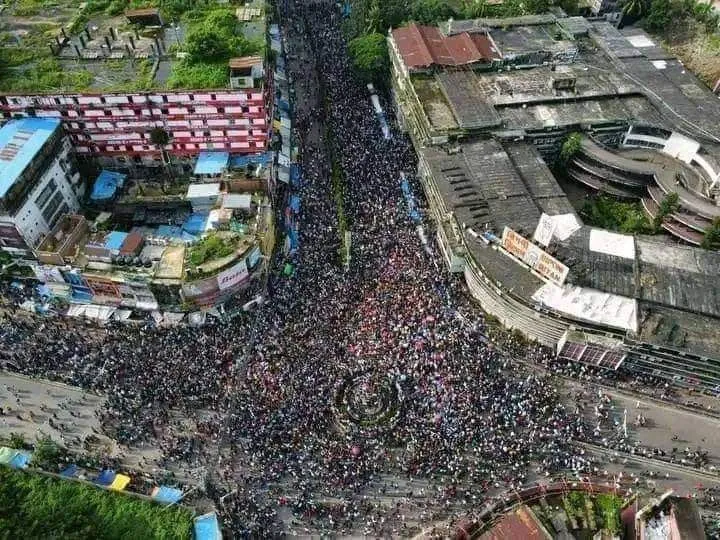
(39, 181)
(488, 104)
(115, 128)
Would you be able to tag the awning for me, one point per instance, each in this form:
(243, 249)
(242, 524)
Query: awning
(167, 495)
(119, 483)
(207, 528)
(211, 162)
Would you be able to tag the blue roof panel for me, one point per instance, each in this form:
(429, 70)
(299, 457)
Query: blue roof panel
(115, 239)
(20, 141)
(211, 162)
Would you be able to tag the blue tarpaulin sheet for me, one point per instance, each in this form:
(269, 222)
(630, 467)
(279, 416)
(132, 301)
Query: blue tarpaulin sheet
(20, 460)
(195, 223)
(105, 478)
(410, 199)
(207, 528)
(295, 203)
(70, 471)
(115, 239)
(169, 231)
(211, 162)
(237, 162)
(294, 240)
(106, 185)
(167, 495)
(295, 174)
(44, 291)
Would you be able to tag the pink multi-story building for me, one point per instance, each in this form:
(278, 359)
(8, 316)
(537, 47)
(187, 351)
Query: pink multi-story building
(115, 127)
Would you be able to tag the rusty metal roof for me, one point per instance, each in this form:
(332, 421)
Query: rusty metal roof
(424, 46)
(412, 47)
(520, 523)
(244, 62)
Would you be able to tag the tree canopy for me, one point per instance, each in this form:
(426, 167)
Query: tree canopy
(370, 56)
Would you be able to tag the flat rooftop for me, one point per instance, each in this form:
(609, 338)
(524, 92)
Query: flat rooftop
(20, 141)
(618, 76)
(489, 185)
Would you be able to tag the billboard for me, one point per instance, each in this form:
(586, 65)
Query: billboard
(201, 287)
(537, 259)
(234, 275)
(544, 231)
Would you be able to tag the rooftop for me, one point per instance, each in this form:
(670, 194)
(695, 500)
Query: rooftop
(20, 141)
(611, 75)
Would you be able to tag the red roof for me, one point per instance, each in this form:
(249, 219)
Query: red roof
(520, 523)
(424, 46)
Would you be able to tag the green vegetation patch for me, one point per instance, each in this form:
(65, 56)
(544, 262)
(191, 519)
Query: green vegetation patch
(210, 248)
(212, 39)
(608, 509)
(35, 506)
(625, 217)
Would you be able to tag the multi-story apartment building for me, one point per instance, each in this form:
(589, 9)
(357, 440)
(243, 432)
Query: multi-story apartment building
(115, 128)
(39, 181)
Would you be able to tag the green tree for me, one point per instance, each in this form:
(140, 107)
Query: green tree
(370, 57)
(431, 11)
(669, 205)
(570, 147)
(17, 441)
(205, 44)
(47, 454)
(711, 239)
(635, 8)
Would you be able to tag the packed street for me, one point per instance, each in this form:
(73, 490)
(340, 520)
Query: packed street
(354, 402)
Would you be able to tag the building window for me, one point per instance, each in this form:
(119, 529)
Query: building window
(46, 193)
(52, 206)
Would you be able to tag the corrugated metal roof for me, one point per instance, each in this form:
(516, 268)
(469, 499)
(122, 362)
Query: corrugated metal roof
(412, 47)
(423, 46)
(244, 62)
(20, 141)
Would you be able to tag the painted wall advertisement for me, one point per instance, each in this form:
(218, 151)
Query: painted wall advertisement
(544, 264)
(233, 276)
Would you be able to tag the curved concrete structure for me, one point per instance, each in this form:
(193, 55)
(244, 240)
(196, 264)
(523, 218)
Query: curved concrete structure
(648, 173)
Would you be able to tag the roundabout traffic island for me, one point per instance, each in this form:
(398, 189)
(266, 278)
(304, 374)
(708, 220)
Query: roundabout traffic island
(367, 400)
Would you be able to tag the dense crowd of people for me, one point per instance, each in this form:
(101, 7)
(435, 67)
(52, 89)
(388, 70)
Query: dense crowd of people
(262, 390)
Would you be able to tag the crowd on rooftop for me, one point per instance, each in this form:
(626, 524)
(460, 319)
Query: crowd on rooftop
(381, 377)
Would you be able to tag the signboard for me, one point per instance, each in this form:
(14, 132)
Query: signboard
(232, 276)
(551, 268)
(545, 265)
(544, 231)
(201, 287)
(520, 247)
